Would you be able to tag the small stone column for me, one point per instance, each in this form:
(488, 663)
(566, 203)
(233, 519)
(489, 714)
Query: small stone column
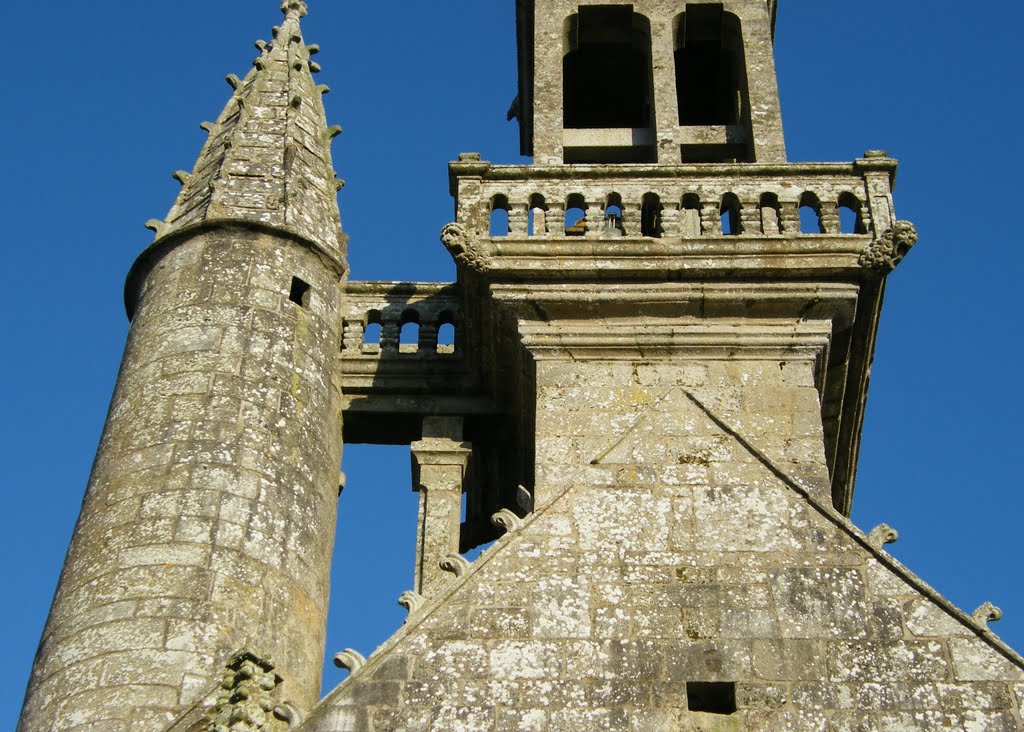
(555, 220)
(789, 217)
(438, 466)
(670, 220)
(519, 219)
(595, 219)
(631, 219)
(711, 218)
(830, 217)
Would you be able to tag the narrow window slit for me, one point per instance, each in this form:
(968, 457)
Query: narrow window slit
(300, 292)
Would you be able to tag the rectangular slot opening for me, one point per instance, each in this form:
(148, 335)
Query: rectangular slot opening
(300, 292)
(711, 697)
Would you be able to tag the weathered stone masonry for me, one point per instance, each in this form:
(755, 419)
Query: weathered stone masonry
(653, 405)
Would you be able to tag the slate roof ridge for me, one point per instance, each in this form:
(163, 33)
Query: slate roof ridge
(268, 156)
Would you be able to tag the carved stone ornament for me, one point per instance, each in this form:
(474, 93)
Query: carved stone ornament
(246, 703)
(455, 564)
(507, 520)
(411, 601)
(350, 659)
(885, 253)
(987, 613)
(463, 248)
(883, 534)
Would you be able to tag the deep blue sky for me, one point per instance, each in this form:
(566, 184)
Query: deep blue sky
(104, 101)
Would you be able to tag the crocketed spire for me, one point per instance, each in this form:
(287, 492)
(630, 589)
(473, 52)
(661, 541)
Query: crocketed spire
(268, 156)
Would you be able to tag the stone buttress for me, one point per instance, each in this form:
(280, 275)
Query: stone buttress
(209, 519)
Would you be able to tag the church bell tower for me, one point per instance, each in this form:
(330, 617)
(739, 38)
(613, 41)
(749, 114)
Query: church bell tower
(651, 410)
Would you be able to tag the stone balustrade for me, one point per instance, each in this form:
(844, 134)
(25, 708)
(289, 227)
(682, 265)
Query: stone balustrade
(687, 202)
(401, 319)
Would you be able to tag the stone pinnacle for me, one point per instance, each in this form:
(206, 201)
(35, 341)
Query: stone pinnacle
(294, 8)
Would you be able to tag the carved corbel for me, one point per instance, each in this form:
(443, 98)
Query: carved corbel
(507, 520)
(455, 564)
(886, 252)
(987, 613)
(881, 535)
(463, 247)
(350, 659)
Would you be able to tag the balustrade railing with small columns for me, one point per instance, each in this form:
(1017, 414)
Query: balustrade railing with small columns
(685, 201)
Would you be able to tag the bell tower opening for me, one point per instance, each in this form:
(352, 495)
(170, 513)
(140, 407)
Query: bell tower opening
(711, 86)
(608, 86)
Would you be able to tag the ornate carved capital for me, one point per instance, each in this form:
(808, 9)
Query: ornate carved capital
(885, 253)
(246, 704)
(465, 250)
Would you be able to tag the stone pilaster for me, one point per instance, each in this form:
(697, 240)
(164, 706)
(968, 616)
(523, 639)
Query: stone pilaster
(439, 466)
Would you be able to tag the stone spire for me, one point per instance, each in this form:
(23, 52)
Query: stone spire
(268, 156)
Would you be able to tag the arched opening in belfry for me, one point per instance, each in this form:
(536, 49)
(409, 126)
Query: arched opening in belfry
(710, 73)
(607, 68)
(711, 85)
(608, 85)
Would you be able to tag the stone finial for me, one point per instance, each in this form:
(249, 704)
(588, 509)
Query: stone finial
(455, 564)
(294, 8)
(507, 520)
(987, 613)
(885, 253)
(246, 704)
(350, 659)
(411, 601)
(881, 535)
(463, 247)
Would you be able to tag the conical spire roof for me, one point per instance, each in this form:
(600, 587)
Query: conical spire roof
(268, 156)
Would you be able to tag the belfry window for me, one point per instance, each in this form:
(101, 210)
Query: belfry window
(710, 70)
(607, 69)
